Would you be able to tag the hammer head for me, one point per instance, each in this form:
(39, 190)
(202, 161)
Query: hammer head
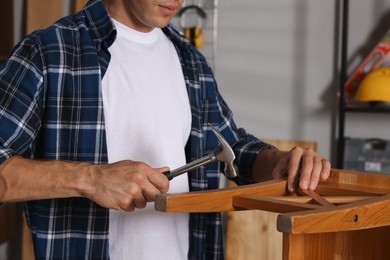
(225, 154)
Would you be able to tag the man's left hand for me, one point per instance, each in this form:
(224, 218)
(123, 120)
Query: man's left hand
(303, 167)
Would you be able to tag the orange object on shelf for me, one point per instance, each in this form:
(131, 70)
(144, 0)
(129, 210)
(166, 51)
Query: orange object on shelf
(375, 87)
(373, 61)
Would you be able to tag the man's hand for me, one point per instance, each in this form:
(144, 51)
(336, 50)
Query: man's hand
(126, 185)
(303, 167)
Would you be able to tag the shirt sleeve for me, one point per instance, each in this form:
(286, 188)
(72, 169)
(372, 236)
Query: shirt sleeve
(20, 88)
(246, 151)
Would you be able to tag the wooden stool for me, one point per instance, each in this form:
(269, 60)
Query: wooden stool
(347, 217)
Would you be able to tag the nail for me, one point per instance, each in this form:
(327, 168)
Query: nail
(304, 185)
(313, 185)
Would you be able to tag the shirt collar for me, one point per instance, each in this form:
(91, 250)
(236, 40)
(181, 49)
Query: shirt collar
(176, 37)
(100, 22)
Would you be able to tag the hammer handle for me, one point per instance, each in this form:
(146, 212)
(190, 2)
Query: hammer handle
(190, 166)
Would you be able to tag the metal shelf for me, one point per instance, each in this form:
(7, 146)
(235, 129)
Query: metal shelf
(344, 106)
(343, 78)
(367, 109)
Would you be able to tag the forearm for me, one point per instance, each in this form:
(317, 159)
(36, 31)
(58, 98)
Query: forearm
(22, 179)
(123, 185)
(265, 163)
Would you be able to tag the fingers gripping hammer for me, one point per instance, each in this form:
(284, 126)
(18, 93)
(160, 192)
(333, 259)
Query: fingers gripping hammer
(223, 153)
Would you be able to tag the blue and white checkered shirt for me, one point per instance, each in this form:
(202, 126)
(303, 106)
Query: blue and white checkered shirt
(51, 108)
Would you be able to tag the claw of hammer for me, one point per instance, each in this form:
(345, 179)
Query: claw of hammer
(223, 153)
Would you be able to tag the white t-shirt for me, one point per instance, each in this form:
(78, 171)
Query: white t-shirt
(148, 118)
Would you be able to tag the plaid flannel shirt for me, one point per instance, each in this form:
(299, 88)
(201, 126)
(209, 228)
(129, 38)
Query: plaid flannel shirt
(51, 108)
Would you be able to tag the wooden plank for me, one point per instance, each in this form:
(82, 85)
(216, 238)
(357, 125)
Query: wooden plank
(252, 235)
(365, 214)
(219, 200)
(314, 195)
(335, 200)
(293, 246)
(368, 181)
(42, 13)
(358, 244)
(257, 228)
(270, 204)
(336, 189)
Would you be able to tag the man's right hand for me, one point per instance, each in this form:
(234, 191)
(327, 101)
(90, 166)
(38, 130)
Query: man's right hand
(126, 185)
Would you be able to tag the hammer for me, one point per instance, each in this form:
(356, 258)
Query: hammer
(223, 153)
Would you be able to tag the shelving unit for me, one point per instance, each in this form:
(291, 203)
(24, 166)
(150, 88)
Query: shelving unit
(366, 109)
(346, 107)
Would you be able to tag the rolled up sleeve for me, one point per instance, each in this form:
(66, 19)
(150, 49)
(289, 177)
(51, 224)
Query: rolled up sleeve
(246, 151)
(20, 89)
